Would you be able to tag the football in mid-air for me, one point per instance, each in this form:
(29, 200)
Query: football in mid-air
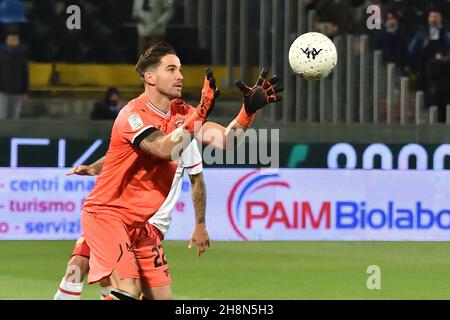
(313, 56)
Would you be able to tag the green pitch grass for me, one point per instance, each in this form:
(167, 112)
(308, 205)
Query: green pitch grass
(254, 270)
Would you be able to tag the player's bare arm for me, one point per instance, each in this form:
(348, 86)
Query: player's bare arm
(200, 234)
(172, 145)
(88, 170)
(264, 91)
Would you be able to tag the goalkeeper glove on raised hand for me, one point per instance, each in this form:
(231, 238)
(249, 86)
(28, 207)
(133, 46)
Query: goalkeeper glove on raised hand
(256, 97)
(209, 94)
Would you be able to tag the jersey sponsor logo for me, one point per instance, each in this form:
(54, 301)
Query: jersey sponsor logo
(135, 122)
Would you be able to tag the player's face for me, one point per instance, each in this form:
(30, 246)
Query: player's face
(168, 77)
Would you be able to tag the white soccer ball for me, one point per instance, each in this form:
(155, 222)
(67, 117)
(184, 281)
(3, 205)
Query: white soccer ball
(313, 56)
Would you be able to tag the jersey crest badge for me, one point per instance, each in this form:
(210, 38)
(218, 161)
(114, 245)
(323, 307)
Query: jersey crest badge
(135, 122)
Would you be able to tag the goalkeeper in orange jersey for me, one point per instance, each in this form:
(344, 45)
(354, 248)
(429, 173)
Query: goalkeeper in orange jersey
(72, 283)
(127, 214)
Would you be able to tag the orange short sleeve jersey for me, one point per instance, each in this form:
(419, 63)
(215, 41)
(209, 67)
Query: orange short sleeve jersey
(133, 185)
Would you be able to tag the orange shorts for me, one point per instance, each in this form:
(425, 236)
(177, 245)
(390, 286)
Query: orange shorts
(81, 248)
(151, 258)
(133, 252)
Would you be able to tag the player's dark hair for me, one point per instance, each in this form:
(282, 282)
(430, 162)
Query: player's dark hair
(152, 56)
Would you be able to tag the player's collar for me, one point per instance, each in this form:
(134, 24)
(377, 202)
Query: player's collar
(157, 111)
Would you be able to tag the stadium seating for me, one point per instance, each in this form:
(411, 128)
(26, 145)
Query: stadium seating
(108, 37)
(107, 33)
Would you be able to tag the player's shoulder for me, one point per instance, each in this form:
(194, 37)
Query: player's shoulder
(134, 106)
(179, 106)
(134, 114)
(137, 104)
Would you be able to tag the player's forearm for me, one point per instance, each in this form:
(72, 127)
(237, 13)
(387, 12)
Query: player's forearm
(220, 137)
(98, 165)
(236, 132)
(198, 197)
(235, 125)
(167, 146)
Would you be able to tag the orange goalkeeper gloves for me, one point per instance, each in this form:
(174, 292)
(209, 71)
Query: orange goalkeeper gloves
(256, 97)
(207, 100)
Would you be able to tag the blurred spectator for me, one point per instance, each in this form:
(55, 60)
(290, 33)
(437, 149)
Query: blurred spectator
(310, 4)
(392, 41)
(12, 11)
(442, 6)
(340, 16)
(109, 108)
(152, 18)
(408, 14)
(429, 54)
(13, 76)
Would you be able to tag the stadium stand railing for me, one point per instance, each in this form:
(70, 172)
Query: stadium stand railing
(363, 89)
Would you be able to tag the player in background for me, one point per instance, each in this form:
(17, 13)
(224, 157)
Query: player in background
(71, 285)
(140, 178)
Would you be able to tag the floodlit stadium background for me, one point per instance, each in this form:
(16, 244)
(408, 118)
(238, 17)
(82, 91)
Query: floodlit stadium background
(364, 156)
